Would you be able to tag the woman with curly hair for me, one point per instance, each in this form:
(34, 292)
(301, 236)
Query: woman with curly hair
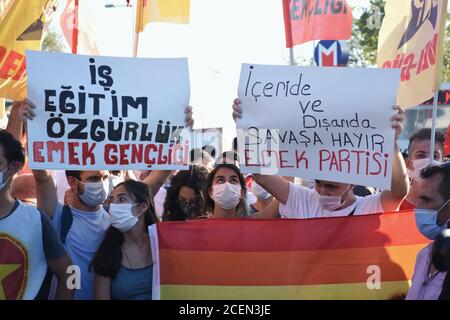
(185, 198)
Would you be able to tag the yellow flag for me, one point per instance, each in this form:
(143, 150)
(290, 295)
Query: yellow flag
(22, 26)
(5, 6)
(172, 11)
(412, 38)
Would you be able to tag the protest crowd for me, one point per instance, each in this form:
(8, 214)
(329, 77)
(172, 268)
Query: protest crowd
(85, 234)
(100, 224)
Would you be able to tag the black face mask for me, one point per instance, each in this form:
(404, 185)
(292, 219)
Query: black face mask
(186, 208)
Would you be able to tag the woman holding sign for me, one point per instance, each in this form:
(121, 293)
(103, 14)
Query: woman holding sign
(123, 264)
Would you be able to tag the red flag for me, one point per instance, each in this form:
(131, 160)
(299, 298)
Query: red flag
(69, 24)
(306, 20)
(78, 27)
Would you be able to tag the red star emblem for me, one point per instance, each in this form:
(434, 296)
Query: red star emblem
(13, 268)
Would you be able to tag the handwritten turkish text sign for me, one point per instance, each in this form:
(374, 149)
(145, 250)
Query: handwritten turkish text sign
(107, 113)
(319, 123)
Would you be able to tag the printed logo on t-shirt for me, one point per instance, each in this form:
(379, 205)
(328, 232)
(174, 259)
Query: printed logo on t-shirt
(13, 268)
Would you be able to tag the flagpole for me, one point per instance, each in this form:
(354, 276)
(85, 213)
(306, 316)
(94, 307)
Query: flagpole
(136, 44)
(433, 124)
(136, 34)
(75, 28)
(291, 56)
(314, 51)
(437, 86)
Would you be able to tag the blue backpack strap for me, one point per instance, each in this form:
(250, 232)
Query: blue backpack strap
(66, 223)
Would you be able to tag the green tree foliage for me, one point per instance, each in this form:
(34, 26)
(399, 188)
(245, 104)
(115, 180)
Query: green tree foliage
(446, 69)
(364, 42)
(52, 42)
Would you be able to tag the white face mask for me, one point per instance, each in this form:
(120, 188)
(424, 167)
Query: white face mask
(418, 165)
(95, 193)
(121, 216)
(226, 195)
(259, 192)
(426, 222)
(332, 203)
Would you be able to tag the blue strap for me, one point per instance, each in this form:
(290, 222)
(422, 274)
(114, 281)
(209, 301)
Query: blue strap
(66, 223)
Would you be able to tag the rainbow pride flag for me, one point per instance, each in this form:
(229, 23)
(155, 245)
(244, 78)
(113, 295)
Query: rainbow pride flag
(360, 257)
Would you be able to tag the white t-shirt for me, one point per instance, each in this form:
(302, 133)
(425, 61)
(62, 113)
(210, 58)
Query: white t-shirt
(303, 203)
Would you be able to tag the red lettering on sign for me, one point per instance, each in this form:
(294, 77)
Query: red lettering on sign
(87, 153)
(73, 155)
(248, 158)
(147, 159)
(299, 158)
(55, 147)
(37, 149)
(283, 161)
(136, 153)
(161, 159)
(322, 158)
(110, 150)
(123, 154)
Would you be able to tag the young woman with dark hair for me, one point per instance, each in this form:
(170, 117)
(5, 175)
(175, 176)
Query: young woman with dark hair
(227, 192)
(185, 198)
(123, 264)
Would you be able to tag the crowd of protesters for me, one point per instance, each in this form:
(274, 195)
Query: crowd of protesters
(98, 220)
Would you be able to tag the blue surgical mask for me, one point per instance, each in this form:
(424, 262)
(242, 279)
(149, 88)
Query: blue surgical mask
(121, 216)
(426, 222)
(95, 193)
